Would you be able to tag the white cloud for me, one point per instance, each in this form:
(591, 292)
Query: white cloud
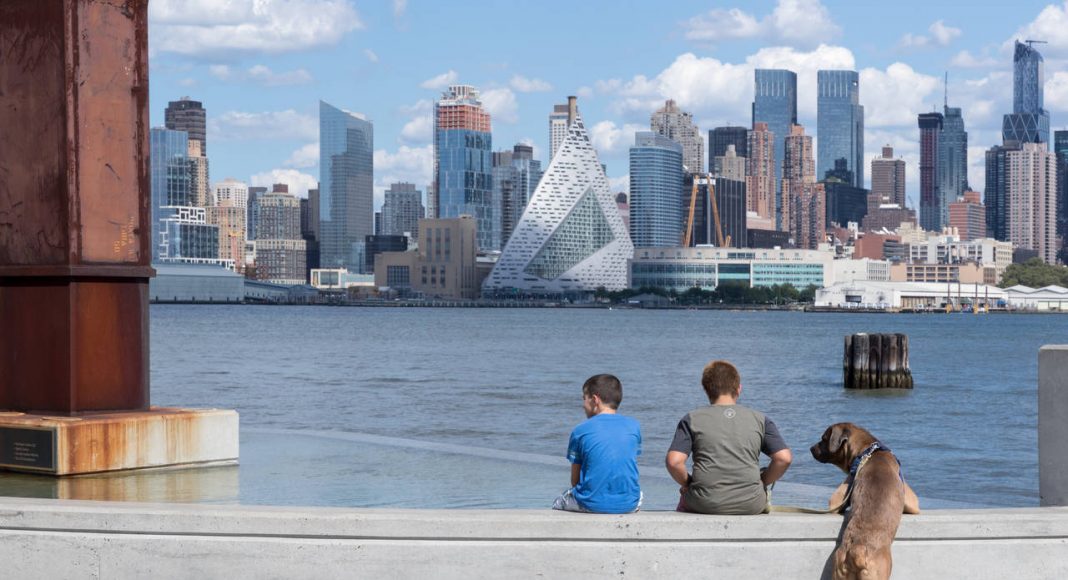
(220, 71)
(715, 89)
(188, 82)
(965, 59)
(288, 124)
(371, 55)
(1057, 92)
(411, 164)
(943, 34)
(209, 27)
(1049, 25)
(260, 74)
(618, 184)
(584, 92)
(422, 106)
(441, 81)
(607, 138)
(299, 183)
(501, 105)
(399, 7)
(418, 131)
(796, 22)
(525, 85)
(896, 95)
(265, 76)
(940, 34)
(305, 157)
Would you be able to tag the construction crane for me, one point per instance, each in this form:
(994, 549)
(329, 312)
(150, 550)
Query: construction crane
(1030, 42)
(687, 236)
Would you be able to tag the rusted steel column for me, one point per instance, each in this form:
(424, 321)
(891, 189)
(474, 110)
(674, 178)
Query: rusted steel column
(74, 205)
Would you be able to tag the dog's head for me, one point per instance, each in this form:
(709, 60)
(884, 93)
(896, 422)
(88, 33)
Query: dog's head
(841, 443)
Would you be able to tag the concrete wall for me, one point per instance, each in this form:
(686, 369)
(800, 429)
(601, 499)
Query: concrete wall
(75, 539)
(1053, 425)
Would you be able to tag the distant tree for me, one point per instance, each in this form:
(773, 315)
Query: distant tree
(1034, 273)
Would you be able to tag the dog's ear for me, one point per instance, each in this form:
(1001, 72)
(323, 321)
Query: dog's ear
(839, 437)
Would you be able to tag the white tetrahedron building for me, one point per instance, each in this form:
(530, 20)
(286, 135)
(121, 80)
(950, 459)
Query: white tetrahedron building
(571, 237)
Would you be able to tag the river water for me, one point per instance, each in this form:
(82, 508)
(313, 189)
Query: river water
(429, 407)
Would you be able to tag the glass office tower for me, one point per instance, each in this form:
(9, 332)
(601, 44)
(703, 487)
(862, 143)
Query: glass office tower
(1029, 121)
(952, 161)
(839, 123)
(775, 103)
(346, 187)
(656, 201)
(463, 163)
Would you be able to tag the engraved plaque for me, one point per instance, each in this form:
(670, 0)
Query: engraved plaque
(27, 448)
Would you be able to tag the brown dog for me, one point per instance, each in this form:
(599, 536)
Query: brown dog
(877, 496)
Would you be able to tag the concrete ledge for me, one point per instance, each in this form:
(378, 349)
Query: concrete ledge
(71, 539)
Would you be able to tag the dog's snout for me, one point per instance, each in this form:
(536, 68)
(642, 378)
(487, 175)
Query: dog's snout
(815, 449)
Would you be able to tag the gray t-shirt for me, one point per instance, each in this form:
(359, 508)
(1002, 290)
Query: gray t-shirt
(725, 442)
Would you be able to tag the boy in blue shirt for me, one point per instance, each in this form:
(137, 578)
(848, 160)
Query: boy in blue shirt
(603, 452)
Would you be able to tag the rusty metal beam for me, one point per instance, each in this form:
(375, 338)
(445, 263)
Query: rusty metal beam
(74, 205)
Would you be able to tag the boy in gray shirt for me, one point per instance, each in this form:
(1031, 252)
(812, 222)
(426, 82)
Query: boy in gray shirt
(725, 440)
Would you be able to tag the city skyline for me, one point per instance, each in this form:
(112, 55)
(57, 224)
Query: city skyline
(261, 95)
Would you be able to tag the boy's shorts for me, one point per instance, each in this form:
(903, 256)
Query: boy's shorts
(567, 502)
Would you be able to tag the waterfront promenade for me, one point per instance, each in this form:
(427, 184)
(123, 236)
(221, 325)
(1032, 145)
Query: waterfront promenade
(77, 539)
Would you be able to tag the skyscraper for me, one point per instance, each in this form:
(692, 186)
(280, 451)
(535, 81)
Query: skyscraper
(254, 195)
(804, 202)
(1032, 200)
(844, 202)
(996, 194)
(402, 210)
(720, 137)
(840, 123)
(1029, 121)
(280, 249)
(775, 103)
(677, 125)
(571, 238)
(1060, 149)
(656, 192)
(729, 165)
(515, 177)
(557, 128)
(968, 215)
(180, 231)
(760, 172)
(930, 199)
(952, 161)
(346, 185)
(888, 177)
(233, 191)
(463, 162)
(190, 116)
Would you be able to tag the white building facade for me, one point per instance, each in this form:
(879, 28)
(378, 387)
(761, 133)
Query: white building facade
(571, 237)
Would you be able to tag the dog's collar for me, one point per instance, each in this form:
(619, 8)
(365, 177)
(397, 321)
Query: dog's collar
(861, 459)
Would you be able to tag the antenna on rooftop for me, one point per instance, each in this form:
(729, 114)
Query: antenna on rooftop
(945, 104)
(1031, 42)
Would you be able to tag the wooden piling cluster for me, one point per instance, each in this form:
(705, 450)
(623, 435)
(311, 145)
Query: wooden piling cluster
(876, 361)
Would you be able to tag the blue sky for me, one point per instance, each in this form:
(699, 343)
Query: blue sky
(260, 67)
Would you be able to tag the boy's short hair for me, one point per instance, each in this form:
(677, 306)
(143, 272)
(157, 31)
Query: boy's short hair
(720, 378)
(606, 387)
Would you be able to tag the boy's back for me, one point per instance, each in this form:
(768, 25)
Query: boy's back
(606, 447)
(725, 442)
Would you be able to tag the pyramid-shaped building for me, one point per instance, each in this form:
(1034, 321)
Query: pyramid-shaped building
(571, 237)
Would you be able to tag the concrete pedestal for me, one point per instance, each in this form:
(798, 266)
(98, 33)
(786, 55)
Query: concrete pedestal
(98, 442)
(1053, 425)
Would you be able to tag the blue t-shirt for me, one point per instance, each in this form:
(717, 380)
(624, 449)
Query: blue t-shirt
(607, 447)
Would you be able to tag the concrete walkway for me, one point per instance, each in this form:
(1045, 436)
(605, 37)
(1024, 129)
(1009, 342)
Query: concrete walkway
(79, 539)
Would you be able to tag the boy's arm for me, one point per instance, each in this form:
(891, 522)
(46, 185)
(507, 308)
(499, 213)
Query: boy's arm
(676, 466)
(780, 460)
(576, 470)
